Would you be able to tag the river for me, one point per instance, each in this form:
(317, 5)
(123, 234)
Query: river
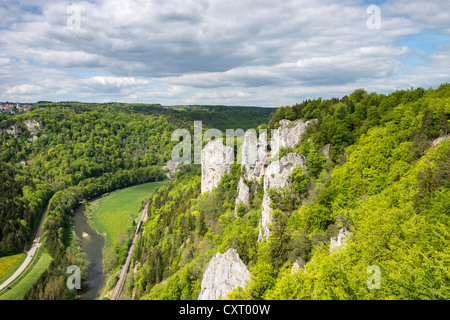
(93, 247)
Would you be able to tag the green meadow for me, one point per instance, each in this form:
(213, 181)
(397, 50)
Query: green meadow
(20, 286)
(112, 214)
(9, 264)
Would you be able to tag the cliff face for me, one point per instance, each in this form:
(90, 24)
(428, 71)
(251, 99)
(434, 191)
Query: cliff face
(254, 155)
(32, 126)
(289, 134)
(224, 273)
(173, 167)
(227, 271)
(277, 176)
(243, 194)
(340, 240)
(13, 130)
(216, 160)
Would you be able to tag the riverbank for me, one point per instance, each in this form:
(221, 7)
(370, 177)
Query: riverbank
(114, 216)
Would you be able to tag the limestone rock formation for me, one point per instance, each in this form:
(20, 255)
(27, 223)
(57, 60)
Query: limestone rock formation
(295, 268)
(289, 134)
(216, 160)
(173, 167)
(34, 127)
(254, 154)
(243, 195)
(13, 130)
(277, 176)
(224, 273)
(436, 141)
(326, 151)
(298, 265)
(340, 240)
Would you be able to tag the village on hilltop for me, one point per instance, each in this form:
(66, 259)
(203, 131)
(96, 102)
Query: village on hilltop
(14, 108)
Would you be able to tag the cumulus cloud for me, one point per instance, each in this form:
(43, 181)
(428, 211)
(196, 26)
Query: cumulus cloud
(24, 89)
(213, 51)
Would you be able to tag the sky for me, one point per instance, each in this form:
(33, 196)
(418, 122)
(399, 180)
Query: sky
(247, 52)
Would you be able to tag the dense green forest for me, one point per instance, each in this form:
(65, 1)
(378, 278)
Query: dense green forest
(215, 116)
(23, 200)
(384, 181)
(75, 152)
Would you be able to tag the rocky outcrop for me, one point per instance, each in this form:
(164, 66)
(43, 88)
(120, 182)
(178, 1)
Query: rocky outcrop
(340, 240)
(277, 176)
(243, 195)
(289, 134)
(326, 151)
(254, 154)
(34, 127)
(439, 140)
(13, 130)
(224, 273)
(295, 268)
(173, 167)
(216, 160)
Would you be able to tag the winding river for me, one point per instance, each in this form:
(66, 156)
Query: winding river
(93, 247)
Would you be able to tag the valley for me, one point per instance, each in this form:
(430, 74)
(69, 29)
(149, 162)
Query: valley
(325, 192)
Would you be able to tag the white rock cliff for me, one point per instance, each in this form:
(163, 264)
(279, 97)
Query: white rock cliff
(243, 195)
(340, 240)
(277, 176)
(224, 273)
(289, 134)
(216, 160)
(254, 154)
(34, 127)
(173, 167)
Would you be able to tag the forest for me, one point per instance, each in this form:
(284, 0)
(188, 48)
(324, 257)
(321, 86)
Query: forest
(74, 152)
(387, 181)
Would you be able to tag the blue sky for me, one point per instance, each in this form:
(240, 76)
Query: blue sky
(253, 52)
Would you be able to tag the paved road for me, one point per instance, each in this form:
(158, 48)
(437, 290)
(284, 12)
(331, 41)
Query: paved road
(123, 273)
(30, 254)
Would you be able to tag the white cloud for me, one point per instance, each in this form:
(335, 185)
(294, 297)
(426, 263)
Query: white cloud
(214, 51)
(24, 89)
(115, 81)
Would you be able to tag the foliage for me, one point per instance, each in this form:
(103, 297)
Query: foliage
(22, 202)
(383, 182)
(18, 291)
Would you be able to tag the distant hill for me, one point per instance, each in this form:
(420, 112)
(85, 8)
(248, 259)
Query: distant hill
(212, 116)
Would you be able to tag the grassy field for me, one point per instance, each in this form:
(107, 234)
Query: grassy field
(8, 265)
(29, 277)
(110, 215)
